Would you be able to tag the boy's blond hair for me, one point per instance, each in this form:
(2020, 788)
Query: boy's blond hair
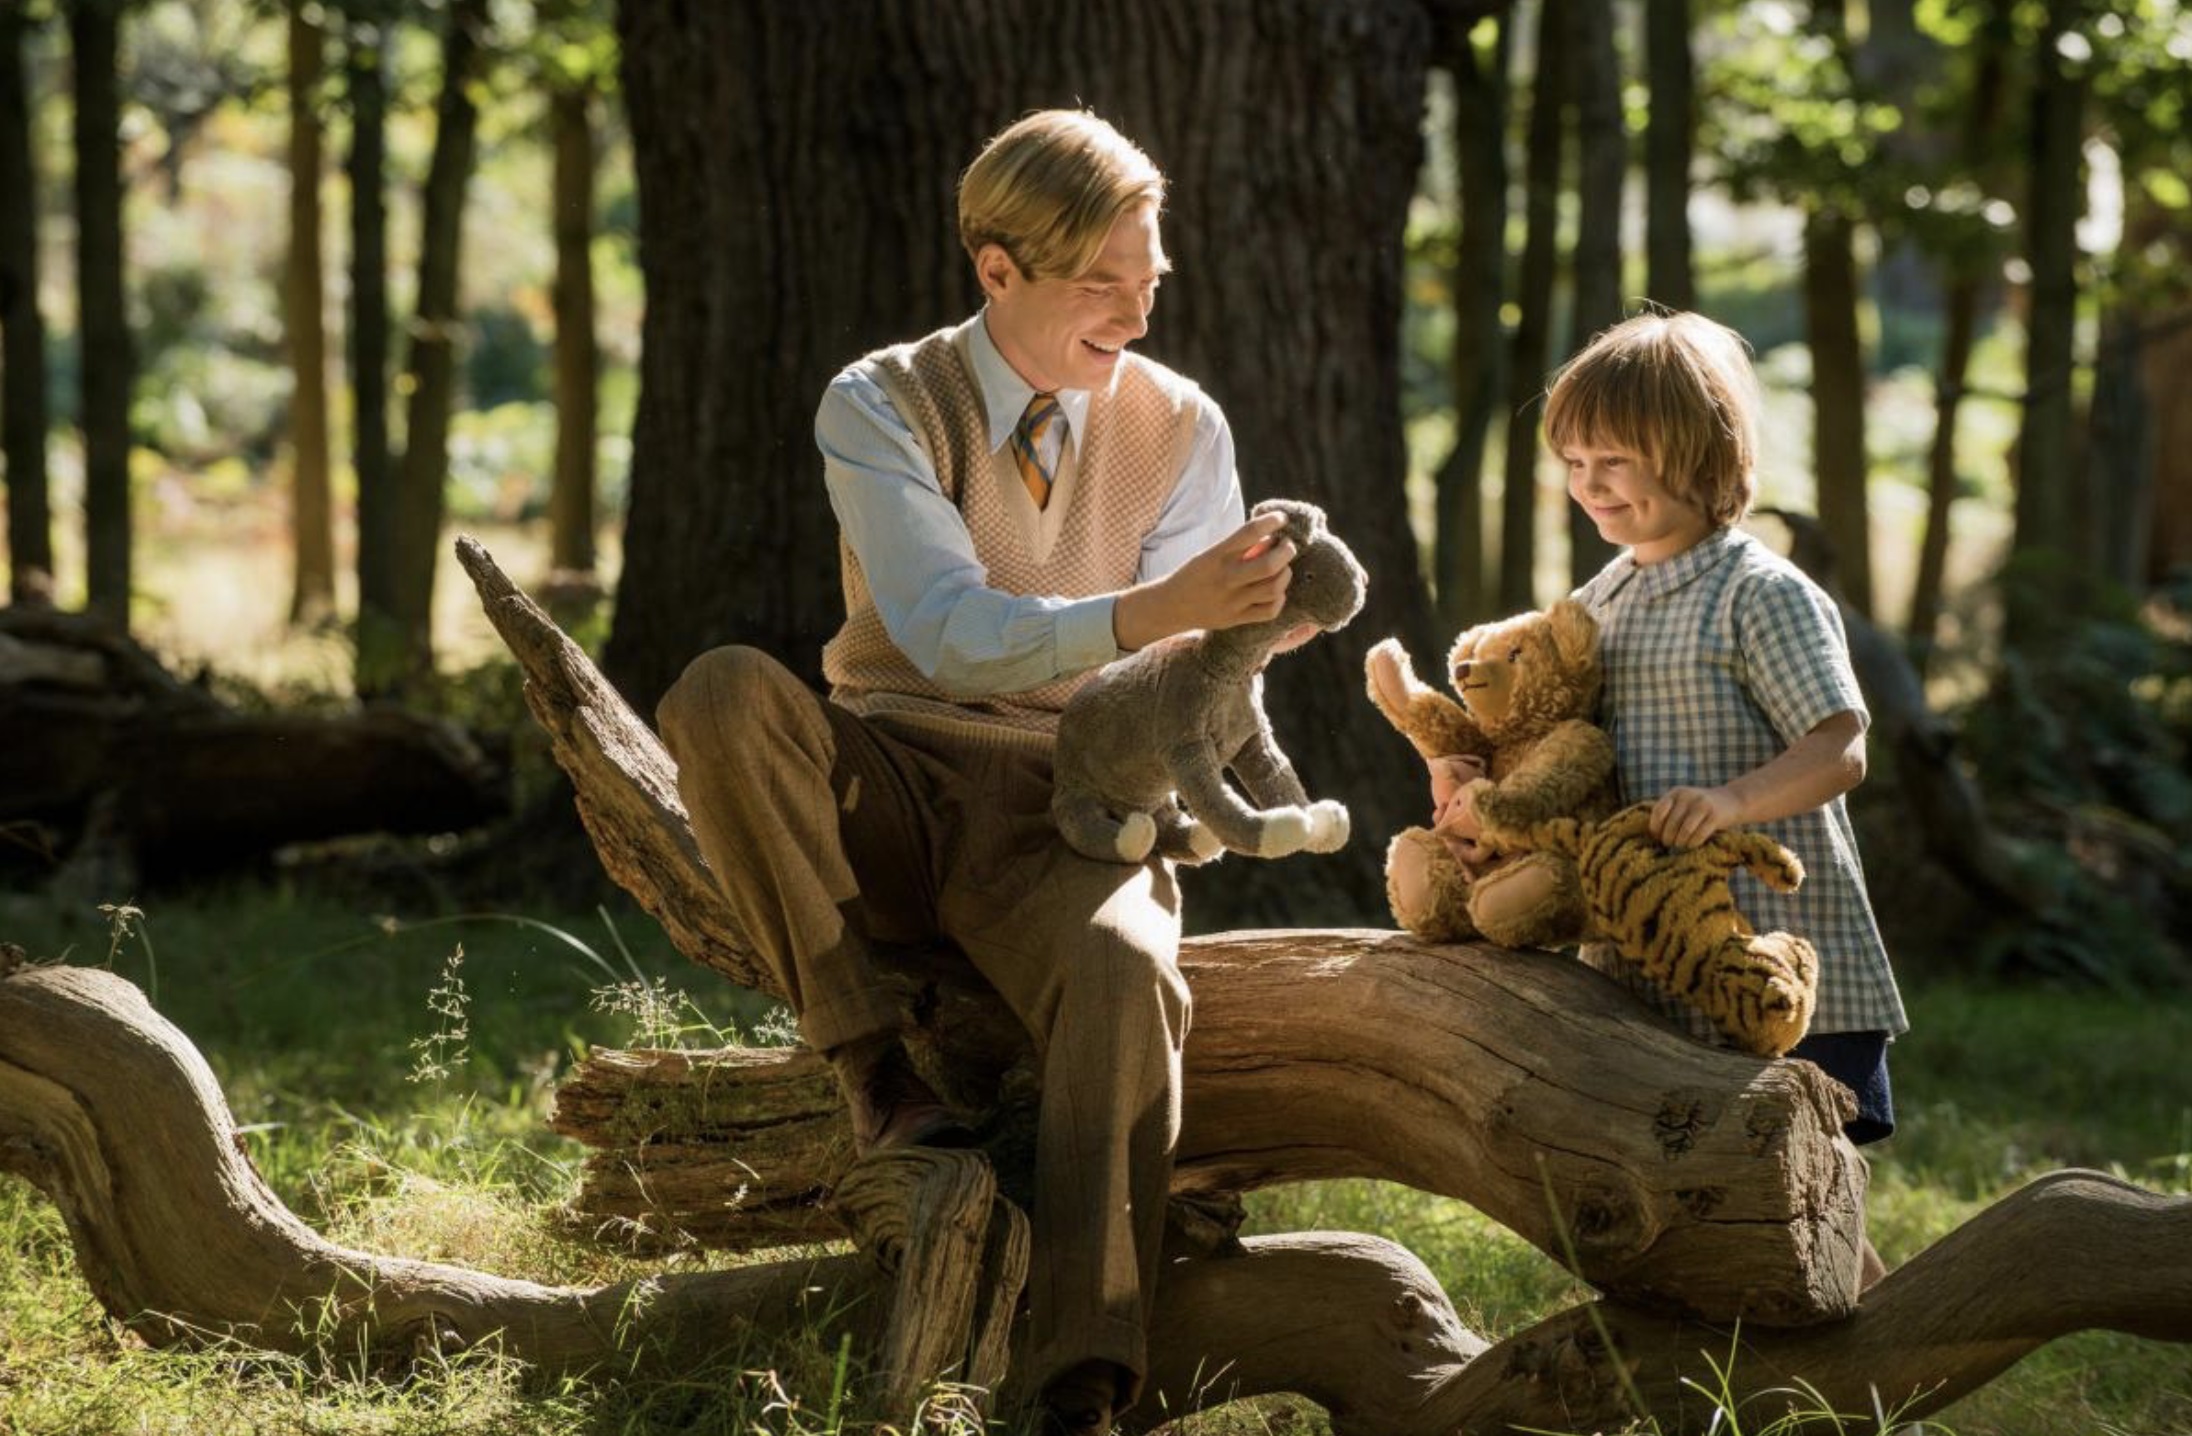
(1679, 390)
(1049, 188)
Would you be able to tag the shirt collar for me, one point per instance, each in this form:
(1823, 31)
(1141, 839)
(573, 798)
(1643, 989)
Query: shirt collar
(1654, 580)
(1005, 394)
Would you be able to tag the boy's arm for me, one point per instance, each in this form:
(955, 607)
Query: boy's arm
(1811, 772)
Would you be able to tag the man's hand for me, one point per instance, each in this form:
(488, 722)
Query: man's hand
(1685, 817)
(1240, 579)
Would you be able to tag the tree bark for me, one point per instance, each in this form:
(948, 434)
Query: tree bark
(1831, 296)
(23, 412)
(2045, 459)
(424, 473)
(312, 513)
(1284, 221)
(1479, 284)
(1602, 159)
(1532, 340)
(571, 501)
(1966, 288)
(103, 310)
(1673, 1173)
(366, 52)
(1670, 139)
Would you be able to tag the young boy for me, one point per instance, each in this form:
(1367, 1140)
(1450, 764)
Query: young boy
(1728, 688)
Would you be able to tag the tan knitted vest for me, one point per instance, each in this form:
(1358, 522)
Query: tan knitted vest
(1133, 447)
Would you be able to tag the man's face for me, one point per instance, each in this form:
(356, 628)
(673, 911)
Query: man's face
(1069, 333)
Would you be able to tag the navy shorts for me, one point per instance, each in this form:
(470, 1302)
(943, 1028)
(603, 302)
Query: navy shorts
(1859, 1061)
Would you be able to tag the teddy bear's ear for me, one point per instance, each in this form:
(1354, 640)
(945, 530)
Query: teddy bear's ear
(1575, 632)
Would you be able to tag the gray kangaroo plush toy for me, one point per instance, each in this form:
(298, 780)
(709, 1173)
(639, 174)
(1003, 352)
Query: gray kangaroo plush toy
(1171, 719)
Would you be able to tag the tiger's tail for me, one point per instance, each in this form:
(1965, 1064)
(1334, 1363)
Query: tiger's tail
(1768, 861)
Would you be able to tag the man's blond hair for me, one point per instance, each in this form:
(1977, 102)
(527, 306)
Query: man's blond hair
(1679, 390)
(1048, 190)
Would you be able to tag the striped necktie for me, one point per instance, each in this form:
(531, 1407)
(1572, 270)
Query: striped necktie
(1027, 447)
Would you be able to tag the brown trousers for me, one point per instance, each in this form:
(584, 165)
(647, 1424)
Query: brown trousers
(828, 832)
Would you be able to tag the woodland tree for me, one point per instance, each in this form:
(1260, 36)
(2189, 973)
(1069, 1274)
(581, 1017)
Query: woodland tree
(103, 315)
(312, 513)
(23, 414)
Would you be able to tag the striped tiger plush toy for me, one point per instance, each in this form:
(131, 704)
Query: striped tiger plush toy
(1671, 912)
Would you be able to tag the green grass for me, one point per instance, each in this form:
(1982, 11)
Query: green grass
(319, 1019)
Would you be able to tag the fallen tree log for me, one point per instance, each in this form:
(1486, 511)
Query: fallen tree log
(129, 770)
(110, 1111)
(1523, 1083)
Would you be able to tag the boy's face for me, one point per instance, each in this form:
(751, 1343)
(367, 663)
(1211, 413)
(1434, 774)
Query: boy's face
(1069, 333)
(1620, 490)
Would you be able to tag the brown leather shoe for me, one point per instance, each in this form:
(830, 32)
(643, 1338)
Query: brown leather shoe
(891, 1106)
(1081, 1402)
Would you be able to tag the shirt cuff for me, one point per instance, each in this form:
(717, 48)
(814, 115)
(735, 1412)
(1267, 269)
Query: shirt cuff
(1083, 634)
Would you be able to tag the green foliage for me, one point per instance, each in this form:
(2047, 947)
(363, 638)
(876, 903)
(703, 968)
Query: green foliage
(2081, 745)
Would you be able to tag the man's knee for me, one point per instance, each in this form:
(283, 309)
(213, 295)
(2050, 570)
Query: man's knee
(722, 686)
(1116, 973)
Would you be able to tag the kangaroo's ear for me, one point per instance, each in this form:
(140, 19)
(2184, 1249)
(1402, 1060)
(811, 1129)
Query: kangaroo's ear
(1575, 632)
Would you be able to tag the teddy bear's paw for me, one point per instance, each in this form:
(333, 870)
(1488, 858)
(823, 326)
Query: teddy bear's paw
(1392, 677)
(1285, 831)
(1202, 844)
(1328, 827)
(1137, 835)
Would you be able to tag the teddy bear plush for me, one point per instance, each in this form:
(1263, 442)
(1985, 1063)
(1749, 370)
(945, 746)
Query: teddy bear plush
(1144, 748)
(1526, 688)
(1670, 911)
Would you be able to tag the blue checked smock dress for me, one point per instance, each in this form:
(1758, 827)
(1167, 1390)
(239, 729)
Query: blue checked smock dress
(1716, 661)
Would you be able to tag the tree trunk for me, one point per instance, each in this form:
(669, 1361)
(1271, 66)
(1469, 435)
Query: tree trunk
(2121, 449)
(1602, 158)
(108, 365)
(1532, 341)
(312, 515)
(424, 472)
(23, 413)
(571, 503)
(2045, 515)
(365, 78)
(1967, 265)
(1831, 295)
(1670, 138)
(1959, 336)
(1479, 285)
(754, 303)
(2166, 363)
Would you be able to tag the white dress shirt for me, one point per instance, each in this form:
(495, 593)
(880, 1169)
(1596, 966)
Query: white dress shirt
(931, 591)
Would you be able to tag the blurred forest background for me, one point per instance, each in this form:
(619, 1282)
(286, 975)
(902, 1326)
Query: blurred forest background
(292, 293)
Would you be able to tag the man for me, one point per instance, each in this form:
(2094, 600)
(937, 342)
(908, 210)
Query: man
(1022, 499)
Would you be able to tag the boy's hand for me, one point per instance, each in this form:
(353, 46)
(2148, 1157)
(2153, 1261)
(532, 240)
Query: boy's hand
(1685, 817)
(1240, 579)
(1453, 811)
(1449, 776)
